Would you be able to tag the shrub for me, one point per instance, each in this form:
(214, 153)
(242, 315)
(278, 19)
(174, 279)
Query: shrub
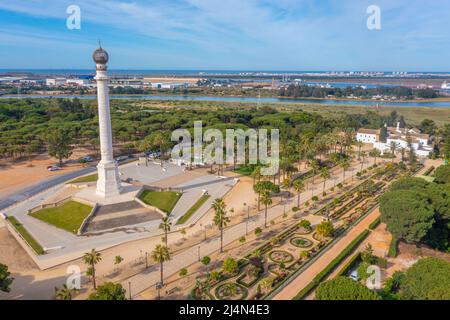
(206, 260)
(230, 266)
(258, 231)
(183, 272)
(108, 291)
(325, 228)
(242, 239)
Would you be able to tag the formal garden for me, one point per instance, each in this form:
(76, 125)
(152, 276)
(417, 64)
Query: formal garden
(264, 270)
(255, 275)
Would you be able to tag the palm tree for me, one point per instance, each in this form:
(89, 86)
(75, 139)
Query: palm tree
(359, 144)
(220, 218)
(299, 187)
(345, 164)
(91, 259)
(266, 199)
(65, 293)
(160, 255)
(363, 158)
(315, 167)
(165, 226)
(375, 153)
(325, 175)
(393, 147)
(117, 260)
(256, 174)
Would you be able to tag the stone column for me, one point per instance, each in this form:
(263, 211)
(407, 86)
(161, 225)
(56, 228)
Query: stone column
(108, 183)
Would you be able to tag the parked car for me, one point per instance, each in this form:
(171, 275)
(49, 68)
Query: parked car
(88, 159)
(53, 168)
(122, 158)
(354, 275)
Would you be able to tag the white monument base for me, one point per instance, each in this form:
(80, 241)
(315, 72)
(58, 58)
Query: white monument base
(108, 183)
(129, 192)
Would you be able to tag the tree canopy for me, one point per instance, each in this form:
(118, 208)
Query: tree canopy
(428, 279)
(5, 278)
(418, 211)
(442, 174)
(344, 288)
(109, 291)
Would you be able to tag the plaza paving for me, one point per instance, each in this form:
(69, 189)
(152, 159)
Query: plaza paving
(64, 246)
(150, 174)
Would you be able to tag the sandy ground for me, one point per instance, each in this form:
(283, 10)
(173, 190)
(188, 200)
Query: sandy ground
(20, 174)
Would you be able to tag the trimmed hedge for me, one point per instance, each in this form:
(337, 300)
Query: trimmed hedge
(429, 171)
(375, 224)
(393, 248)
(333, 264)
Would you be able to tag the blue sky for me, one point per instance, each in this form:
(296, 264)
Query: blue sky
(228, 34)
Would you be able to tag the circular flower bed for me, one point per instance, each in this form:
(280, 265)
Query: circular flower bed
(231, 291)
(280, 256)
(301, 242)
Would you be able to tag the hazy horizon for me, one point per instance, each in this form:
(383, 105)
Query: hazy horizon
(264, 35)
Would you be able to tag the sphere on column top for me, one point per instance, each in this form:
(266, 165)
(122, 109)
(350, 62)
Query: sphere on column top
(100, 56)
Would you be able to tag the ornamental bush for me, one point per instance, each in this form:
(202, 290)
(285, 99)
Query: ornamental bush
(343, 288)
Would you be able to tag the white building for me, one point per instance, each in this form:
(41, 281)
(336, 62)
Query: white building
(55, 82)
(368, 135)
(400, 136)
(78, 82)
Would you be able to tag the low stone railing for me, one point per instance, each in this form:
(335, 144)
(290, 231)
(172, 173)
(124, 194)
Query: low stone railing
(49, 205)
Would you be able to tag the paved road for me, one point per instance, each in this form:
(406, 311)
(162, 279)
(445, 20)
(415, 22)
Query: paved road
(42, 186)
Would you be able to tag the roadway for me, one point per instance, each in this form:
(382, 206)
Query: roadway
(37, 188)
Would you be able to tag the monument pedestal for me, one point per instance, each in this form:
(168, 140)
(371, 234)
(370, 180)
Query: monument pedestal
(108, 183)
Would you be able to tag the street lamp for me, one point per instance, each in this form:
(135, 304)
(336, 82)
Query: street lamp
(146, 260)
(248, 219)
(129, 289)
(159, 287)
(198, 251)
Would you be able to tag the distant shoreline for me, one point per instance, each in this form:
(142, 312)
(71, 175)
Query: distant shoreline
(228, 97)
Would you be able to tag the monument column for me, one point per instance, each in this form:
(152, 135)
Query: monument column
(108, 183)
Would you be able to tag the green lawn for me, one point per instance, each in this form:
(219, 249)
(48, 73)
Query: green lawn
(90, 178)
(68, 216)
(164, 201)
(193, 209)
(28, 237)
(245, 170)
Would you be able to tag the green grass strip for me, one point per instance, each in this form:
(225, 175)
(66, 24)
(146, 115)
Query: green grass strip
(331, 266)
(164, 201)
(86, 179)
(68, 216)
(193, 209)
(26, 235)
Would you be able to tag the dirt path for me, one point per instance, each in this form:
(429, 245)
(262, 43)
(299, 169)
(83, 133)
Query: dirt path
(291, 290)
